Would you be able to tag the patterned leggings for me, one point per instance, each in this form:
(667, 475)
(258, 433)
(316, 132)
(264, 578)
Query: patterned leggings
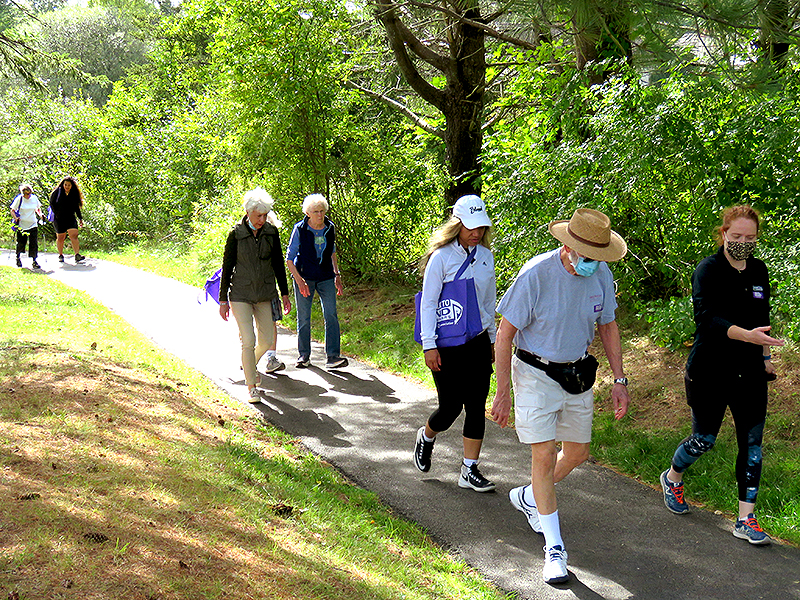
(747, 400)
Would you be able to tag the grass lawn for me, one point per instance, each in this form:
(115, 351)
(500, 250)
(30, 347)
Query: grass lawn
(124, 474)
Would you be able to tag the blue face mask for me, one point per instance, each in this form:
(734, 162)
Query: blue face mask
(253, 227)
(585, 267)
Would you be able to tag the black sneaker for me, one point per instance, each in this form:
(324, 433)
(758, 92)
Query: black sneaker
(36, 264)
(423, 451)
(303, 362)
(19, 262)
(60, 258)
(79, 258)
(471, 478)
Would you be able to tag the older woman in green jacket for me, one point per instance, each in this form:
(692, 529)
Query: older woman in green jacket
(252, 265)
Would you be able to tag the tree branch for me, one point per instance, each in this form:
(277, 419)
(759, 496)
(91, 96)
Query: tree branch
(490, 31)
(388, 17)
(416, 119)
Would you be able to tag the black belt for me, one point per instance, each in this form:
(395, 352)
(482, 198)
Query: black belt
(541, 363)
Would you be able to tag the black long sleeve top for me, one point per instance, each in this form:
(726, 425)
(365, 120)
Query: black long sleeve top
(723, 297)
(66, 204)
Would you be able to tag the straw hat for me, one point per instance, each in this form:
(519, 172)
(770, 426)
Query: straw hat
(589, 233)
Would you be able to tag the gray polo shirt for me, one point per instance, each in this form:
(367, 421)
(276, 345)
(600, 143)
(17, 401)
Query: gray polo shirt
(554, 311)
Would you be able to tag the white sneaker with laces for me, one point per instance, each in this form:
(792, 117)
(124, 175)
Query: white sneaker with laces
(517, 497)
(555, 565)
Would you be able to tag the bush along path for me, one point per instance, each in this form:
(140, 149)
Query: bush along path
(622, 541)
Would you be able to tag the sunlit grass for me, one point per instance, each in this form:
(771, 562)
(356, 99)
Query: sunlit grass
(198, 498)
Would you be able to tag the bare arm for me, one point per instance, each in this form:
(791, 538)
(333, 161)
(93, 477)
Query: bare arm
(609, 336)
(501, 407)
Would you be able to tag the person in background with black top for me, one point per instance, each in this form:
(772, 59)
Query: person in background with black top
(461, 373)
(311, 259)
(251, 265)
(729, 364)
(66, 201)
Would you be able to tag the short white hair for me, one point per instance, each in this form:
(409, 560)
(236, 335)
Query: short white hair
(258, 200)
(313, 200)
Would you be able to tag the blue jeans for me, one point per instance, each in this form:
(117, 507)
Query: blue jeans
(327, 296)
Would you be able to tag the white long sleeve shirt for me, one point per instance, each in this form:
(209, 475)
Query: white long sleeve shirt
(442, 267)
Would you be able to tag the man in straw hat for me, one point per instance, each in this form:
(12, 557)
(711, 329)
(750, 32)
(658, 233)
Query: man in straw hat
(550, 312)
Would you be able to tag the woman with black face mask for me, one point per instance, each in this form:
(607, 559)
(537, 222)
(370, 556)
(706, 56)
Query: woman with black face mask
(729, 364)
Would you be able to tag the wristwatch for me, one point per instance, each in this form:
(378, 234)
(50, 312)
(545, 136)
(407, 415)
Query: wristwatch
(622, 380)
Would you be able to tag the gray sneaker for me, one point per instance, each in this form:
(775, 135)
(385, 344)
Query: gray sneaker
(673, 495)
(303, 362)
(336, 363)
(255, 396)
(517, 497)
(273, 364)
(749, 529)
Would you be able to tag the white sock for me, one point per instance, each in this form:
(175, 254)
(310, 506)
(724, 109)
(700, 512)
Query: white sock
(426, 438)
(468, 462)
(551, 530)
(271, 353)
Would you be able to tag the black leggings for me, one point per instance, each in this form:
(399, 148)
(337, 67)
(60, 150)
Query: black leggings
(463, 383)
(747, 399)
(33, 242)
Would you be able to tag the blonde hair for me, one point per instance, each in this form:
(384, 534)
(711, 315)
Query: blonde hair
(446, 234)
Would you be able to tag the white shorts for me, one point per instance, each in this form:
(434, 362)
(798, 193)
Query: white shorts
(543, 411)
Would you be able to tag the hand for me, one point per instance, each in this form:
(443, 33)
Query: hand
(620, 399)
(501, 408)
(769, 367)
(287, 305)
(339, 285)
(759, 336)
(432, 360)
(224, 310)
(303, 287)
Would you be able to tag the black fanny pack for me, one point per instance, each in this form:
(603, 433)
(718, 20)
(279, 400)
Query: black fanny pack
(574, 377)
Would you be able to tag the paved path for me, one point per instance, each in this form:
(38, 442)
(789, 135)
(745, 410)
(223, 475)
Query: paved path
(622, 542)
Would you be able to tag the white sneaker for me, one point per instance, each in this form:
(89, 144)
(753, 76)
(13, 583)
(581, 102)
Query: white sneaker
(273, 364)
(255, 396)
(517, 497)
(555, 565)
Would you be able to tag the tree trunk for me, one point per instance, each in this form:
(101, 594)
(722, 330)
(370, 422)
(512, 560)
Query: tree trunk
(602, 31)
(463, 110)
(461, 102)
(773, 40)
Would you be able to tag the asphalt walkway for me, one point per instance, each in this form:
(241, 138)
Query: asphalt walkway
(622, 542)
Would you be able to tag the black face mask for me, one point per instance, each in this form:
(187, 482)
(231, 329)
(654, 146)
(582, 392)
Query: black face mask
(740, 250)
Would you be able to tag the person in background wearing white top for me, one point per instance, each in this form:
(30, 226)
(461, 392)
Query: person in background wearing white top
(461, 373)
(551, 312)
(26, 212)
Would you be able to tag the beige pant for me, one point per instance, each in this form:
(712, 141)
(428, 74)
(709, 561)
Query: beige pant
(245, 313)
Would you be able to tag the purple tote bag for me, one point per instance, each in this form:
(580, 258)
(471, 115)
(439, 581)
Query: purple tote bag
(458, 316)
